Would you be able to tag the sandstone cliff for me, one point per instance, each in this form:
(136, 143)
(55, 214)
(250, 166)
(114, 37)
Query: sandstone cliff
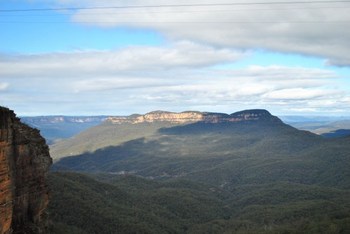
(24, 164)
(194, 116)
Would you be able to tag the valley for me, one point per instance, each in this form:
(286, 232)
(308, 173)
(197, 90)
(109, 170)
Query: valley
(247, 172)
(56, 128)
(175, 117)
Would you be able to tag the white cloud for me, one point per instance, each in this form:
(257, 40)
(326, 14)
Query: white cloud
(299, 94)
(3, 86)
(117, 83)
(183, 74)
(82, 63)
(131, 80)
(309, 29)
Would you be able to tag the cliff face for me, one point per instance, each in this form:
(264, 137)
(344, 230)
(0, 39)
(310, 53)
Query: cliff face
(194, 116)
(24, 163)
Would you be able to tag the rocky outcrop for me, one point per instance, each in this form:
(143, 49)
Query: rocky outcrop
(164, 116)
(194, 116)
(24, 164)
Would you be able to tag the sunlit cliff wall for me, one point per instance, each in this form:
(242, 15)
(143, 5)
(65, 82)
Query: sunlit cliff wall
(192, 117)
(24, 164)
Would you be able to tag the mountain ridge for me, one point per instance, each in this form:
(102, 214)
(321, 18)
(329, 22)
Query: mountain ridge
(256, 175)
(193, 116)
(58, 127)
(235, 152)
(62, 118)
(120, 129)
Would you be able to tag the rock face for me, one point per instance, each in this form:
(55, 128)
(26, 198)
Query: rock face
(195, 116)
(24, 164)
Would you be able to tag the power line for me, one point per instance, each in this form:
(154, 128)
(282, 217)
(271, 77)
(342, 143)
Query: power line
(180, 22)
(190, 11)
(173, 5)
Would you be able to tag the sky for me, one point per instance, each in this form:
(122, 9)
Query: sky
(89, 57)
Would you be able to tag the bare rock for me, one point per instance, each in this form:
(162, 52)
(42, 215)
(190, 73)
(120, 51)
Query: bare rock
(24, 164)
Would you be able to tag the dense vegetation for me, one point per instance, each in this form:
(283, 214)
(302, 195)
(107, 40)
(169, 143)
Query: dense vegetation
(103, 135)
(224, 155)
(129, 204)
(248, 177)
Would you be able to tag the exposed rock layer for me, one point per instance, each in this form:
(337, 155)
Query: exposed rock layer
(24, 163)
(194, 116)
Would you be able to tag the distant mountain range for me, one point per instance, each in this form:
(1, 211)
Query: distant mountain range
(57, 128)
(335, 129)
(54, 128)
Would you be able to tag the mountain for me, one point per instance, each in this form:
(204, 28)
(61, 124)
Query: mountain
(290, 119)
(255, 148)
(323, 126)
(337, 133)
(192, 117)
(118, 130)
(163, 172)
(193, 172)
(54, 128)
(335, 129)
(24, 163)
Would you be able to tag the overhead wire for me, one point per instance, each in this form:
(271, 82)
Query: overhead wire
(175, 5)
(181, 22)
(188, 11)
(63, 12)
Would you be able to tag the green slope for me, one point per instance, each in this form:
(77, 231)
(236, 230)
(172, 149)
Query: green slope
(128, 204)
(225, 154)
(247, 177)
(103, 135)
(114, 134)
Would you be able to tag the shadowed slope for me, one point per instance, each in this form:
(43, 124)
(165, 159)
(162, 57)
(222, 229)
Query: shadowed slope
(224, 154)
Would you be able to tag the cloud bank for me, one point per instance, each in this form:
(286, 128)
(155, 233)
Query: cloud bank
(310, 29)
(181, 54)
(195, 67)
(174, 77)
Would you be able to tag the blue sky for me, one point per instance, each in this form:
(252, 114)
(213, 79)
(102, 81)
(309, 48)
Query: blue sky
(292, 59)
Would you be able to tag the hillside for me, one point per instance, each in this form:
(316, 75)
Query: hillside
(118, 130)
(224, 154)
(103, 135)
(128, 204)
(162, 172)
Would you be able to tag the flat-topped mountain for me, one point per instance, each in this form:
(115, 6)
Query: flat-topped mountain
(193, 116)
(194, 172)
(120, 129)
(255, 148)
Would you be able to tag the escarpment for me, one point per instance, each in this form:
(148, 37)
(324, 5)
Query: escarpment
(194, 116)
(24, 164)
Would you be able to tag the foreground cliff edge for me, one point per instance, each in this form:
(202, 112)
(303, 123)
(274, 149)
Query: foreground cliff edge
(24, 165)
